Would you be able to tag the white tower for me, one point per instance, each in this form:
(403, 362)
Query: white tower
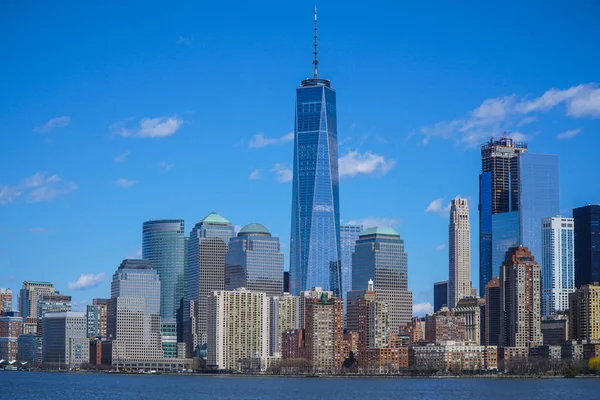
(459, 282)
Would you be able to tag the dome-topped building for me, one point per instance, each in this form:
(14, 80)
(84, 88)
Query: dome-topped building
(254, 229)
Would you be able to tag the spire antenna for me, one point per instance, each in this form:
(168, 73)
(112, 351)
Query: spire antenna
(315, 61)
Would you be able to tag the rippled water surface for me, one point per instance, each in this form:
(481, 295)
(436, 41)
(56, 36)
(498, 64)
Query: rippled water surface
(62, 386)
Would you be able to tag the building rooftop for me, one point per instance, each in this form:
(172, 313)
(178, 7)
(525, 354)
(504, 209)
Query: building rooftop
(378, 230)
(254, 229)
(135, 264)
(214, 219)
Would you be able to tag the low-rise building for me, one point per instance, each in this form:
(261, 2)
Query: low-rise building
(10, 329)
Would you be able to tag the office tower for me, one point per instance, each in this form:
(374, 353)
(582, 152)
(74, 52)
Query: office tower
(284, 315)
(29, 296)
(471, 308)
(587, 244)
(92, 314)
(558, 264)
(444, 326)
(349, 234)
(440, 295)
(163, 244)
(459, 252)
(324, 332)
(207, 247)
(520, 299)
(380, 255)
(373, 324)
(102, 305)
(238, 327)
(286, 282)
(254, 261)
(493, 312)
(168, 333)
(517, 190)
(48, 303)
(584, 312)
(29, 346)
(5, 300)
(65, 341)
(555, 330)
(133, 322)
(10, 329)
(315, 249)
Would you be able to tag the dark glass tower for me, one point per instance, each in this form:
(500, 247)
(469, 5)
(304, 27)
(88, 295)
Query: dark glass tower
(587, 244)
(315, 237)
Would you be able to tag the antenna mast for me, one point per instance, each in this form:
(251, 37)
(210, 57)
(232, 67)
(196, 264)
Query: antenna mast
(315, 61)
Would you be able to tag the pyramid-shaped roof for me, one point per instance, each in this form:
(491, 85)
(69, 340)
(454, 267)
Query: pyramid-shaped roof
(215, 219)
(378, 230)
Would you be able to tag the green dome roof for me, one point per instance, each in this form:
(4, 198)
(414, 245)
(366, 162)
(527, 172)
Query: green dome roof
(254, 229)
(215, 219)
(378, 230)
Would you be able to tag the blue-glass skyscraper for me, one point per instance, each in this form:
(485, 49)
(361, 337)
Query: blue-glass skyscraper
(315, 237)
(349, 234)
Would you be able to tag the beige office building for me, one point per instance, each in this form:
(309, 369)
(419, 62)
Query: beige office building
(459, 252)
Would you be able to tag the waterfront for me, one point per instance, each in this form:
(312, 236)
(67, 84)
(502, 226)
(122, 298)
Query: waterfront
(71, 386)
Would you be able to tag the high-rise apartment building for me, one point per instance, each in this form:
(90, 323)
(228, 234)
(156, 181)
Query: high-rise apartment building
(254, 261)
(29, 296)
(587, 244)
(97, 325)
(49, 303)
(440, 295)
(133, 322)
(315, 249)
(584, 313)
(472, 309)
(444, 326)
(380, 255)
(6, 298)
(520, 299)
(324, 332)
(558, 264)
(373, 324)
(459, 252)
(284, 315)
(238, 327)
(349, 234)
(493, 312)
(205, 273)
(65, 342)
(163, 244)
(10, 329)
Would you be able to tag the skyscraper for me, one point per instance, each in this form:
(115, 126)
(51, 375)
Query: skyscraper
(133, 322)
(65, 341)
(349, 234)
(207, 247)
(163, 245)
(254, 261)
(493, 312)
(5, 300)
(29, 296)
(315, 249)
(558, 264)
(587, 244)
(440, 295)
(284, 314)
(49, 303)
(584, 313)
(459, 252)
(380, 255)
(517, 190)
(520, 299)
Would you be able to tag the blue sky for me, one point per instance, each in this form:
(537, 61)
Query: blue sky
(117, 113)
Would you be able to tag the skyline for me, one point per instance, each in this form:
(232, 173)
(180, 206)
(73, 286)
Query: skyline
(89, 175)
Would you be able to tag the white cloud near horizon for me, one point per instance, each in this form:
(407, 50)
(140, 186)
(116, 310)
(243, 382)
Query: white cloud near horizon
(259, 140)
(87, 281)
(420, 309)
(571, 133)
(148, 127)
(440, 247)
(354, 163)
(500, 114)
(122, 157)
(254, 175)
(125, 183)
(372, 222)
(40, 187)
(283, 173)
(437, 206)
(59, 122)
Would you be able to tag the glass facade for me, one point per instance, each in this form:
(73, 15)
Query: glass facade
(254, 261)
(485, 230)
(315, 238)
(505, 234)
(587, 244)
(349, 234)
(440, 295)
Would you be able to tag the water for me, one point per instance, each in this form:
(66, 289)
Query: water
(49, 386)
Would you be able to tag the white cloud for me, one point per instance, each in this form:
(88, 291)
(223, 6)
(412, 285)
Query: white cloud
(282, 173)
(125, 183)
(371, 222)
(39, 187)
(122, 157)
(54, 123)
(134, 254)
(259, 140)
(8, 194)
(87, 281)
(184, 40)
(148, 127)
(34, 181)
(440, 247)
(255, 174)
(571, 133)
(420, 309)
(165, 166)
(354, 163)
(503, 114)
(237, 229)
(437, 206)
